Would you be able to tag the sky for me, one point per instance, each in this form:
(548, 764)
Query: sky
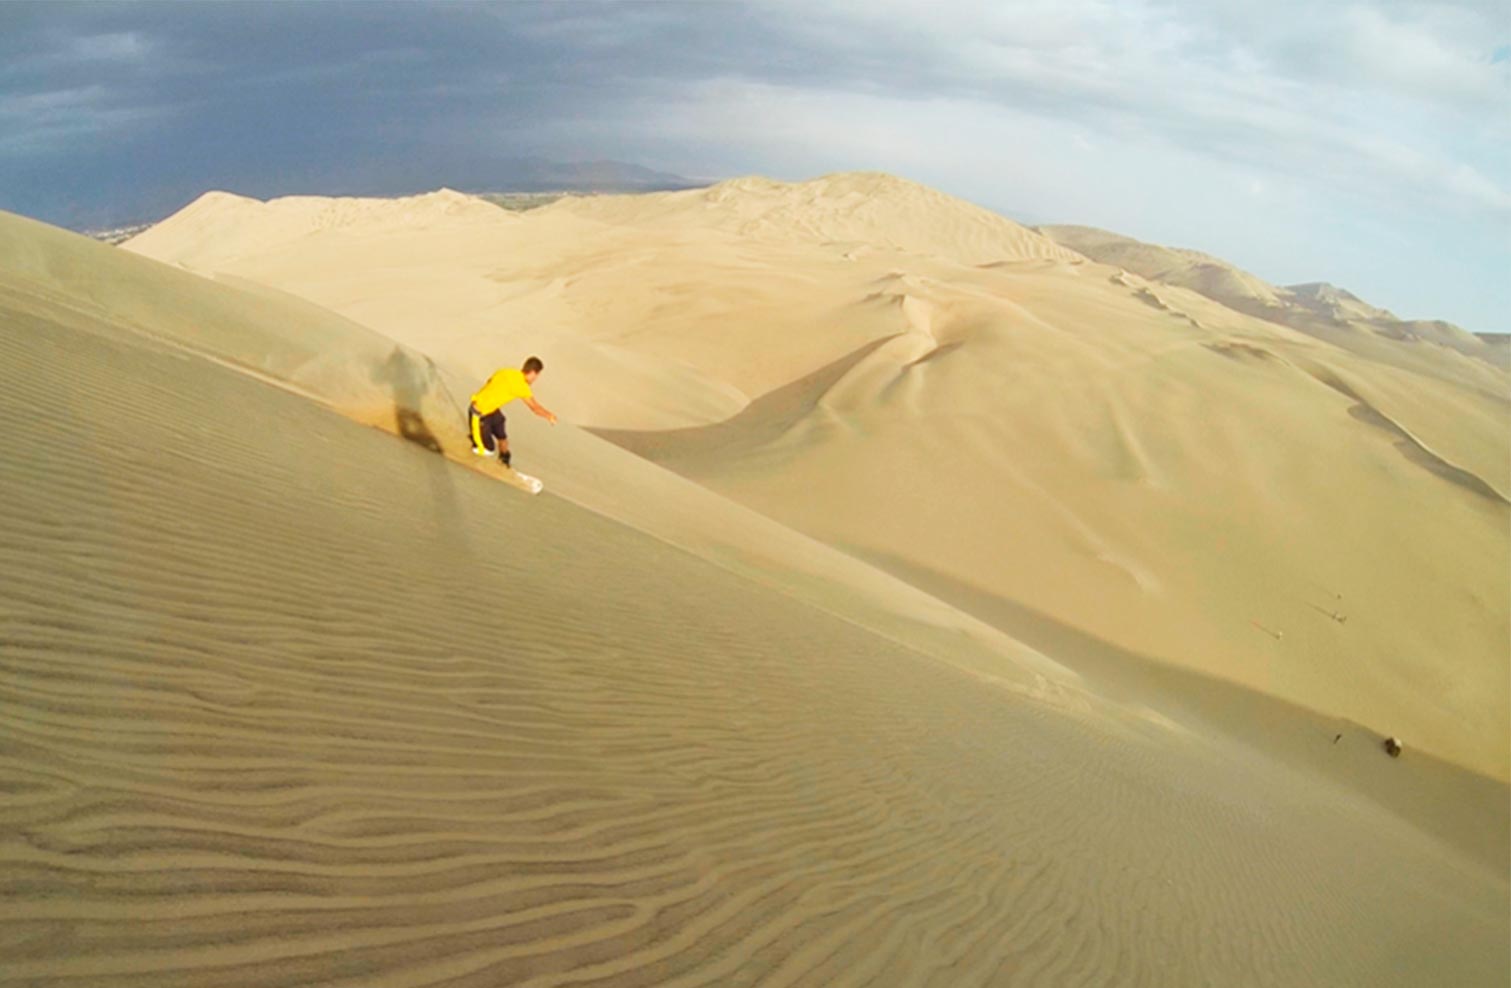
(1363, 143)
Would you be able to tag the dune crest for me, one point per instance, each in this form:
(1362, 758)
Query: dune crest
(856, 211)
(220, 225)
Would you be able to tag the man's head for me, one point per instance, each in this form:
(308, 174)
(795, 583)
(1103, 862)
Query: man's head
(532, 369)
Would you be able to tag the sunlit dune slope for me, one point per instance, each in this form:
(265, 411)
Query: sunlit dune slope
(665, 310)
(1108, 454)
(299, 347)
(1173, 481)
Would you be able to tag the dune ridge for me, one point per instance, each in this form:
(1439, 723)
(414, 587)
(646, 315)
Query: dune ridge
(220, 225)
(861, 212)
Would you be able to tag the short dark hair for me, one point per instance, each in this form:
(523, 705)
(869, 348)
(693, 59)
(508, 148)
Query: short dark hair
(534, 364)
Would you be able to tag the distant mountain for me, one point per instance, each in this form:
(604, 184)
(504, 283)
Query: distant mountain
(1315, 308)
(1332, 302)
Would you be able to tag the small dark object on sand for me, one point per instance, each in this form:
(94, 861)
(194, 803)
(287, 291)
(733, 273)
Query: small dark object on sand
(1393, 747)
(1337, 738)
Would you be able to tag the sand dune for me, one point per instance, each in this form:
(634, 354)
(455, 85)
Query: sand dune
(292, 702)
(955, 398)
(867, 212)
(1190, 499)
(255, 328)
(286, 342)
(624, 303)
(219, 225)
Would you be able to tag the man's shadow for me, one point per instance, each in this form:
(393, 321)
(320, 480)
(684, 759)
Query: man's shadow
(409, 379)
(412, 378)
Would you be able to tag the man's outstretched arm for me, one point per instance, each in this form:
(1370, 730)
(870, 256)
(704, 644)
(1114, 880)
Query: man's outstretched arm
(540, 410)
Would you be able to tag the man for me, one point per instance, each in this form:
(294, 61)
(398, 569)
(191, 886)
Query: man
(485, 419)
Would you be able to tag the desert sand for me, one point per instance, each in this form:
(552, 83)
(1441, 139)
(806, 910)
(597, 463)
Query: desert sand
(1075, 451)
(898, 611)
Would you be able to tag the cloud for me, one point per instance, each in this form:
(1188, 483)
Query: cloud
(1356, 92)
(114, 46)
(46, 121)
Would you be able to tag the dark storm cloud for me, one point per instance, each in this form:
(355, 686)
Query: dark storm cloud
(99, 100)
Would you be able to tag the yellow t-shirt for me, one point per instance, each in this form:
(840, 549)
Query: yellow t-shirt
(502, 388)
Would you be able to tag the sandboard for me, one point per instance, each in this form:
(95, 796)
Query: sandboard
(525, 482)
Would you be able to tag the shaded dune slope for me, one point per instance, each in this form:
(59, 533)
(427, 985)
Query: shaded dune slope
(254, 328)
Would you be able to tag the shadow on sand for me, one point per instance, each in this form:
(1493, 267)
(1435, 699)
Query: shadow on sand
(409, 378)
(412, 379)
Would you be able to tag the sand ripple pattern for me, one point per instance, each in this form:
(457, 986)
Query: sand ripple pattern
(287, 701)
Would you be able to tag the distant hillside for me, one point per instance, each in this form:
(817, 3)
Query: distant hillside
(1315, 308)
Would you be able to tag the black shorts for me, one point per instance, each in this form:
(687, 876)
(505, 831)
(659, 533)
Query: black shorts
(484, 430)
